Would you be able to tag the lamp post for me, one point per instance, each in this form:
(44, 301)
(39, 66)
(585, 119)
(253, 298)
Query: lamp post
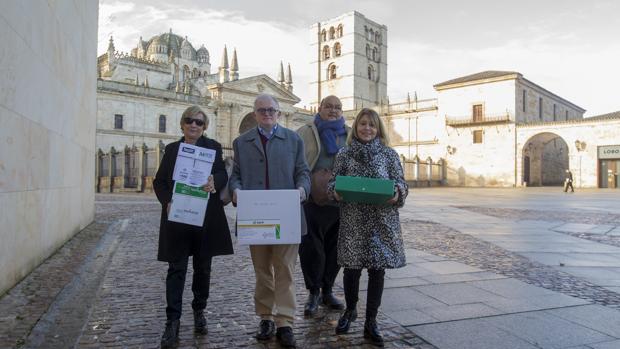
(580, 146)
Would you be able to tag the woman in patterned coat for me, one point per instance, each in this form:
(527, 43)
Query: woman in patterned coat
(370, 235)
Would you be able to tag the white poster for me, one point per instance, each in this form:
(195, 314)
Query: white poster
(189, 204)
(193, 165)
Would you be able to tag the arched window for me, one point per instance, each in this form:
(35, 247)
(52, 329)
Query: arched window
(374, 53)
(337, 49)
(332, 33)
(371, 35)
(162, 123)
(323, 35)
(371, 73)
(367, 50)
(186, 72)
(205, 73)
(339, 30)
(325, 52)
(195, 73)
(377, 37)
(331, 71)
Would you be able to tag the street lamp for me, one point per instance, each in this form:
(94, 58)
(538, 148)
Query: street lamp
(581, 146)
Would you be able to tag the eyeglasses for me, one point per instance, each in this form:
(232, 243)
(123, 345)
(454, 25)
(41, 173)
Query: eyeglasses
(269, 111)
(333, 107)
(188, 121)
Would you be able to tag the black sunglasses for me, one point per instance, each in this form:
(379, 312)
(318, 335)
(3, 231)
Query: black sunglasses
(188, 121)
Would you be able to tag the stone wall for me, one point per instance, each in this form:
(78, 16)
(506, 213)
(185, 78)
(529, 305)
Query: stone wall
(47, 112)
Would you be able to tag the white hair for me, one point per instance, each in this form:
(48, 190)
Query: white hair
(266, 96)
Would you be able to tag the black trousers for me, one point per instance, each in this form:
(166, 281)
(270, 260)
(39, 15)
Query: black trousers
(351, 282)
(175, 283)
(568, 184)
(318, 249)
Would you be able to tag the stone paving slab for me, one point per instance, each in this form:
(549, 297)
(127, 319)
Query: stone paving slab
(547, 331)
(470, 334)
(607, 345)
(605, 320)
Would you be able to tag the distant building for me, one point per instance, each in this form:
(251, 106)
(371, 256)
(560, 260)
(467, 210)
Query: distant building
(141, 96)
(492, 128)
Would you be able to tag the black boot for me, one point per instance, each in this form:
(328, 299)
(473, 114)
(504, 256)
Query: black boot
(285, 337)
(200, 322)
(170, 338)
(312, 304)
(331, 301)
(371, 331)
(345, 321)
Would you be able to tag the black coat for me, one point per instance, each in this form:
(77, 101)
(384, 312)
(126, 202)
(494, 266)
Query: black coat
(177, 240)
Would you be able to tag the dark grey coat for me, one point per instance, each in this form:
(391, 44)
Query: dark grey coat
(287, 164)
(177, 240)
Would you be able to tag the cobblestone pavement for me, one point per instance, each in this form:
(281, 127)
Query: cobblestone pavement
(444, 241)
(597, 218)
(127, 309)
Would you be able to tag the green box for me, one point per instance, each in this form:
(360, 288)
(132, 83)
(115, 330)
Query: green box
(364, 190)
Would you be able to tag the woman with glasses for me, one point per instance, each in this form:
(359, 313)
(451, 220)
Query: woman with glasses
(178, 241)
(369, 236)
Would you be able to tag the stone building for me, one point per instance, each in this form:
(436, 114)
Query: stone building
(142, 94)
(492, 128)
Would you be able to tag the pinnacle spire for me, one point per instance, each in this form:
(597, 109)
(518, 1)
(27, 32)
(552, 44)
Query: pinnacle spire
(234, 66)
(111, 44)
(289, 76)
(281, 73)
(224, 63)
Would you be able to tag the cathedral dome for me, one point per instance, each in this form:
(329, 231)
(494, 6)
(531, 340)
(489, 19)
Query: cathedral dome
(170, 41)
(202, 54)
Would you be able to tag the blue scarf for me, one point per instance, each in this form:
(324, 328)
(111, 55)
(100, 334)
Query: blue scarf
(329, 130)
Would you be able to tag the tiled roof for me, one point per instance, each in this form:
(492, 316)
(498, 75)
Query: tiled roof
(489, 74)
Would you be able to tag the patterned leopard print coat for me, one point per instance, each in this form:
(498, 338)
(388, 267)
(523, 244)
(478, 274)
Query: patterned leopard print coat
(370, 235)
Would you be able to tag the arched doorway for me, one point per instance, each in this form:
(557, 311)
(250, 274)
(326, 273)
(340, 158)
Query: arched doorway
(545, 158)
(247, 123)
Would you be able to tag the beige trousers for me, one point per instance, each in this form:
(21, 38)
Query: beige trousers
(274, 295)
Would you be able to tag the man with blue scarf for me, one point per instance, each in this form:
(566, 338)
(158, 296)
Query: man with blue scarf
(322, 137)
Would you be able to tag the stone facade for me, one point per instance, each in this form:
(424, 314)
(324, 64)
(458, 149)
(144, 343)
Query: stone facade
(48, 129)
(350, 60)
(141, 96)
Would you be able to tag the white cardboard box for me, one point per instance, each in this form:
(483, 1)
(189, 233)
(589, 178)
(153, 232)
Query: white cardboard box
(268, 217)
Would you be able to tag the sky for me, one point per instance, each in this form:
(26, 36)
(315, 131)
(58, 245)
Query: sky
(569, 47)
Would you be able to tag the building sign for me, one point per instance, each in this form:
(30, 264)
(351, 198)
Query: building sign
(609, 152)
